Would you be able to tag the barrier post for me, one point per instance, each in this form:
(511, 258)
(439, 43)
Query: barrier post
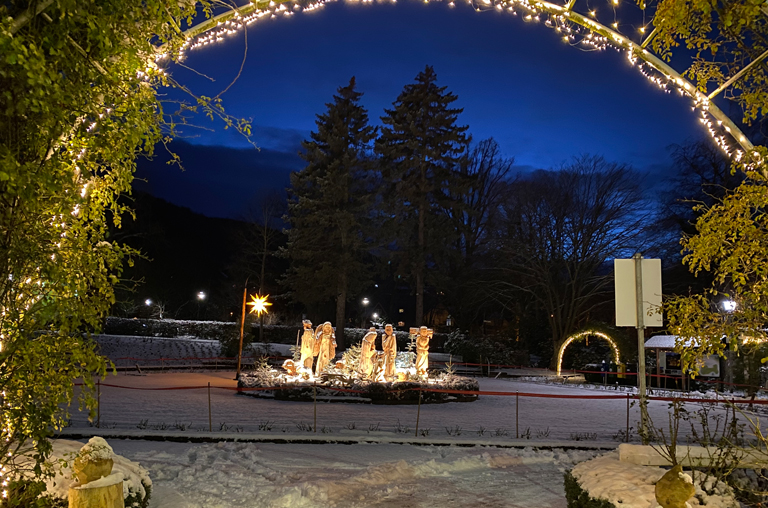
(517, 414)
(210, 423)
(314, 396)
(626, 438)
(418, 415)
(98, 403)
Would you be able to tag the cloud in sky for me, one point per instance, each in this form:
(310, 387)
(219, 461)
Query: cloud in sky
(217, 181)
(265, 137)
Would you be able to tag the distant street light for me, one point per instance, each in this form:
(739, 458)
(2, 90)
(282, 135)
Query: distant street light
(366, 301)
(147, 302)
(201, 295)
(729, 306)
(375, 316)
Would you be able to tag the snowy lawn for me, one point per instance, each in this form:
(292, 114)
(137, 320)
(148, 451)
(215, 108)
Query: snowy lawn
(490, 417)
(131, 350)
(244, 475)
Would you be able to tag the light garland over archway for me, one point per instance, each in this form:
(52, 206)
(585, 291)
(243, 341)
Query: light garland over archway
(576, 29)
(584, 335)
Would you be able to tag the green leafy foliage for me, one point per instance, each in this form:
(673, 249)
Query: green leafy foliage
(731, 244)
(78, 83)
(724, 37)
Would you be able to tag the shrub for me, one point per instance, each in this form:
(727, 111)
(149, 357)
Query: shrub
(578, 497)
(494, 349)
(30, 494)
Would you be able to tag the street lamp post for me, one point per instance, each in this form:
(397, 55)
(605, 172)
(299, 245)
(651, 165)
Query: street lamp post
(258, 305)
(365, 301)
(242, 325)
(201, 296)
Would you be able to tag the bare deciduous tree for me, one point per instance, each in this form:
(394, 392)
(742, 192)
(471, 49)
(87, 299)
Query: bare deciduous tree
(559, 232)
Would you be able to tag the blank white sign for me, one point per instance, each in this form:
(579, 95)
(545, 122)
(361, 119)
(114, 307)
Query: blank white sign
(626, 296)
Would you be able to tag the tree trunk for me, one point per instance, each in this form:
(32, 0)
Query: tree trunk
(109, 496)
(341, 303)
(556, 344)
(558, 338)
(419, 317)
(420, 268)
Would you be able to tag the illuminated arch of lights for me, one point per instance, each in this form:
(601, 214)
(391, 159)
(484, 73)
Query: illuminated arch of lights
(579, 30)
(584, 335)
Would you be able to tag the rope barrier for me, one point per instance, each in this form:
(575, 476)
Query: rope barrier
(433, 362)
(441, 390)
(163, 359)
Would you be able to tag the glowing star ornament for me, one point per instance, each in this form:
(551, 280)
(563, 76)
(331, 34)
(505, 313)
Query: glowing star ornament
(259, 304)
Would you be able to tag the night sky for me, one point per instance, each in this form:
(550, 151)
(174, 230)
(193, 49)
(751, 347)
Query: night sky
(543, 101)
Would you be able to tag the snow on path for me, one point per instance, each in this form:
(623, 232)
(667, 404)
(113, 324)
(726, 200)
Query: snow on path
(235, 475)
(488, 417)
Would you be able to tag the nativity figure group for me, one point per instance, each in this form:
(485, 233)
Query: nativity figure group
(373, 364)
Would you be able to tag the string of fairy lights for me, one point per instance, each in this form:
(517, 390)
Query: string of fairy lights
(577, 30)
(585, 335)
(30, 290)
(582, 31)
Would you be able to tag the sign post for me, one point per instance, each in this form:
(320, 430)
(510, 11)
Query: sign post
(638, 262)
(638, 304)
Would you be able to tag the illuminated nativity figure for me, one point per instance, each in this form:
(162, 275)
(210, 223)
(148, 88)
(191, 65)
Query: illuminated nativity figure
(364, 374)
(325, 346)
(423, 335)
(367, 354)
(389, 345)
(307, 345)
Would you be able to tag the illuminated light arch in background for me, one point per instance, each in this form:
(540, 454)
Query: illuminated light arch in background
(576, 29)
(584, 335)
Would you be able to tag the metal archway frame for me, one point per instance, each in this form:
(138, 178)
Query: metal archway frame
(230, 22)
(584, 335)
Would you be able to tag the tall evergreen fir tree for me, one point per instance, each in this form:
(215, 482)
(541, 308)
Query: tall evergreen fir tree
(327, 207)
(420, 148)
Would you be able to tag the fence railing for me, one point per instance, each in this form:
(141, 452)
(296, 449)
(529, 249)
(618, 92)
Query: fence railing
(482, 368)
(628, 397)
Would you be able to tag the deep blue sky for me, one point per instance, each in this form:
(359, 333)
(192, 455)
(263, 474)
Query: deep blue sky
(517, 81)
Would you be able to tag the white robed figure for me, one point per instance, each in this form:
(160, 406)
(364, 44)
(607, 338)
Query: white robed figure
(307, 345)
(389, 345)
(325, 346)
(367, 352)
(422, 351)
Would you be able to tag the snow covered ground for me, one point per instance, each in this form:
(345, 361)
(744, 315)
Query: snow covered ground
(490, 417)
(129, 350)
(283, 469)
(244, 475)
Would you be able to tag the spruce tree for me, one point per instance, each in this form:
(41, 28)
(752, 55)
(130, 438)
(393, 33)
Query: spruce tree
(327, 207)
(420, 148)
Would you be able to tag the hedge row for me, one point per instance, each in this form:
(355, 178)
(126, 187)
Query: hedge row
(577, 497)
(223, 331)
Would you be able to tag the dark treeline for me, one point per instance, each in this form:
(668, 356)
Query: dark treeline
(449, 231)
(416, 223)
